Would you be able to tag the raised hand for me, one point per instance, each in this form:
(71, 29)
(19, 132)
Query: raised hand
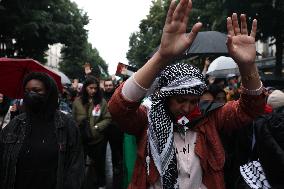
(175, 40)
(241, 44)
(87, 68)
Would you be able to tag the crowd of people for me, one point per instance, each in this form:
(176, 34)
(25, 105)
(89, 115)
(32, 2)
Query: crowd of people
(192, 131)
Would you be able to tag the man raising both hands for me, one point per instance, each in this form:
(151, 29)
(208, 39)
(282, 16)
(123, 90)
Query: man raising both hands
(161, 137)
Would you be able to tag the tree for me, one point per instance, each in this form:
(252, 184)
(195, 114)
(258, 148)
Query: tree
(144, 42)
(76, 56)
(270, 14)
(212, 13)
(29, 26)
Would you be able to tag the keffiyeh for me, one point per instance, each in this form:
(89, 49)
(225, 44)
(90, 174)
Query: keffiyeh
(254, 175)
(177, 79)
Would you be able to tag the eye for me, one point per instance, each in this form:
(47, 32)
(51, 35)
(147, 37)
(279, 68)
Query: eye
(37, 90)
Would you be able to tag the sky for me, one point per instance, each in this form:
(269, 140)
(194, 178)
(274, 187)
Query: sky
(111, 24)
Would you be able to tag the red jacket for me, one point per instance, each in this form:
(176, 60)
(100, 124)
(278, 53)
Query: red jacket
(132, 118)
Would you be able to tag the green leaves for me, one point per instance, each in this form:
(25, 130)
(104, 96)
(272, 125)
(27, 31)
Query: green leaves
(212, 13)
(143, 43)
(34, 24)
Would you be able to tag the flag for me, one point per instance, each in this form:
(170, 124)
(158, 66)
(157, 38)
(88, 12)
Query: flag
(124, 70)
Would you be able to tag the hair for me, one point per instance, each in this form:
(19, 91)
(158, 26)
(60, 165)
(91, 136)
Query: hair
(51, 91)
(85, 96)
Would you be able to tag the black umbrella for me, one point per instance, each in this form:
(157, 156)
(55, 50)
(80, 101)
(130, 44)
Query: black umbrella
(206, 43)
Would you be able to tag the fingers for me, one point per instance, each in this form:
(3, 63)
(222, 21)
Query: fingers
(188, 9)
(244, 29)
(171, 11)
(234, 29)
(230, 27)
(229, 43)
(236, 24)
(195, 29)
(253, 28)
(180, 10)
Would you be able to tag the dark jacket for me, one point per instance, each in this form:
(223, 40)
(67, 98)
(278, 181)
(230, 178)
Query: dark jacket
(269, 135)
(70, 169)
(268, 131)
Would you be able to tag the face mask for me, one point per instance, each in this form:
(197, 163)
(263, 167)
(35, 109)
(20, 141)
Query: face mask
(34, 101)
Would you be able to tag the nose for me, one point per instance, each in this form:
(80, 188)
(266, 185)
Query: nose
(186, 108)
(93, 91)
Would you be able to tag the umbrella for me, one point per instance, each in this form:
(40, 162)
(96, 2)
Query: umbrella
(64, 79)
(13, 72)
(223, 66)
(206, 43)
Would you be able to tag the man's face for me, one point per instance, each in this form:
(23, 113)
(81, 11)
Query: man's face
(92, 89)
(182, 104)
(109, 87)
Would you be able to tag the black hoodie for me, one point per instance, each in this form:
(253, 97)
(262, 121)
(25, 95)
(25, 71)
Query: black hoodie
(43, 147)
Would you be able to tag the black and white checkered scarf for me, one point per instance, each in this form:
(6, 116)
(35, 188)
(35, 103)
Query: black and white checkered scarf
(254, 175)
(176, 79)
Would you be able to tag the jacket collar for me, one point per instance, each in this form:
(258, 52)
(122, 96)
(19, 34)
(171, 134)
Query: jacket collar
(58, 120)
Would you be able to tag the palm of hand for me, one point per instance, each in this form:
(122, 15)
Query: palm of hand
(88, 70)
(243, 49)
(174, 40)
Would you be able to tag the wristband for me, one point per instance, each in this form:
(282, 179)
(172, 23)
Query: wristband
(253, 92)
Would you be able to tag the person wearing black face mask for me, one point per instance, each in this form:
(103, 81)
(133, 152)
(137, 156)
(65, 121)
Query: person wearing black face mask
(34, 101)
(43, 145)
